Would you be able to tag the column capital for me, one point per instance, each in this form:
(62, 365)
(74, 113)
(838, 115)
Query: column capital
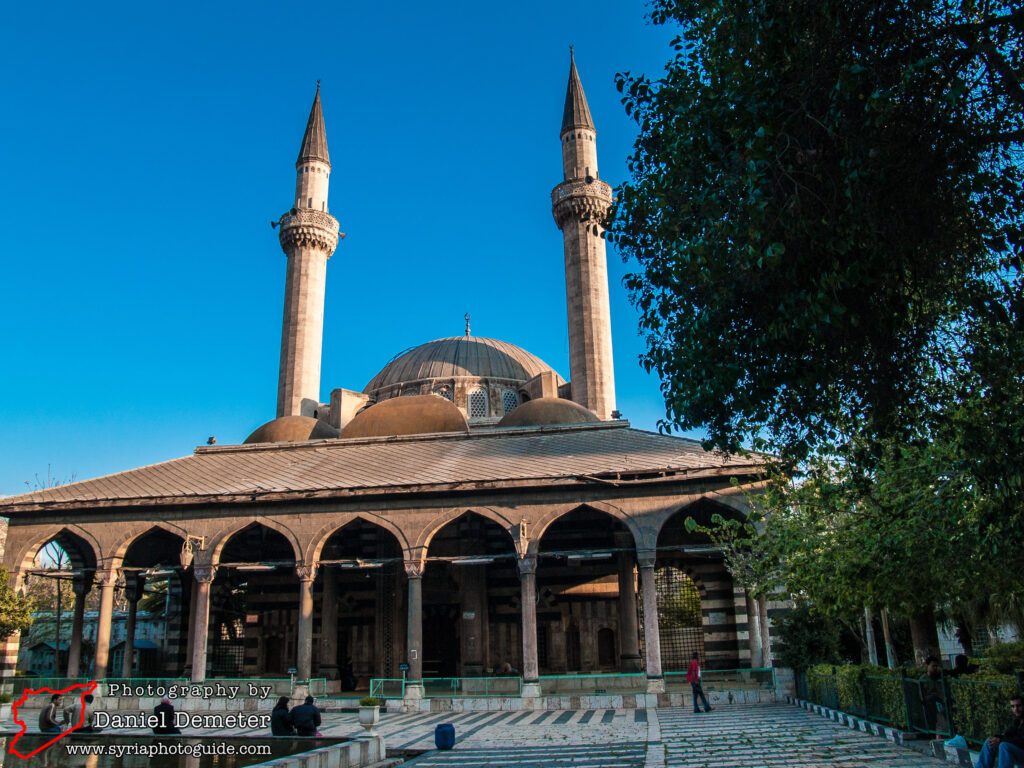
(414, 569)
(81, 585)
(134, 584)
(306, 571)
(204, 574)
(527, 565)
(107, 577)
(646, 558)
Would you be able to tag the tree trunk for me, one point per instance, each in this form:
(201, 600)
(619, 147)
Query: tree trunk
(890, 649)
(924, 634)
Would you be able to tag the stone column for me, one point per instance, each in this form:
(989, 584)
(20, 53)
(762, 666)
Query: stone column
(753, 632)
(652, 638)
(766, 638)
(201, 620)
(304, 651)
(528, 598)
(190, 634)
(106, 579)
(80, 586)
(414, 629)
(329, 624)
(629, 638)
(132, 592)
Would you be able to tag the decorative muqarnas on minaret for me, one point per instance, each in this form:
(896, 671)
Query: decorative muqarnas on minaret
(309, 235)
(579, 205)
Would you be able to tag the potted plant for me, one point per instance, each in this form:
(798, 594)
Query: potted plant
(369, 714)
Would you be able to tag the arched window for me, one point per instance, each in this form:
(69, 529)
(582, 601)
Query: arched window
(509, 400)
(477, 402)
(409, 391)
(445, 391)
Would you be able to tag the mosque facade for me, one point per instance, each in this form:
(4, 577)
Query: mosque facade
(466, 513)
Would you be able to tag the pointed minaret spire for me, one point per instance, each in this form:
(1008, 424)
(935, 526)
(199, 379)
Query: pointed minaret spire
(579, 205)
(576, 113)
(314, 142)
(309, 235)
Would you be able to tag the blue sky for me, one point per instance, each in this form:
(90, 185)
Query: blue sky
(147, 146)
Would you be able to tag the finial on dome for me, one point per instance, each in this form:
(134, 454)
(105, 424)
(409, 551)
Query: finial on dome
(467, 323)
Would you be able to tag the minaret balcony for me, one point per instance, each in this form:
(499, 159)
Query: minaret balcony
(308, 227)
(582, 199)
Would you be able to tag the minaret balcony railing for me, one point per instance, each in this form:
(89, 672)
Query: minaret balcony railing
(309, 227)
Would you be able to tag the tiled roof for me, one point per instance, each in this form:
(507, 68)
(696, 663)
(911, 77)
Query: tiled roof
(460, 356)
(576, 113)
(314, 142)
(605, 452)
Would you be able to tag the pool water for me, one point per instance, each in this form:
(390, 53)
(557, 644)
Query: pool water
(160, 752)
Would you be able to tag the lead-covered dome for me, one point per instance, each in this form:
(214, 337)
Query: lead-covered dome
(459, 356)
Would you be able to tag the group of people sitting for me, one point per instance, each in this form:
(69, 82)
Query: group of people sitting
(302, 720)
(77, 711)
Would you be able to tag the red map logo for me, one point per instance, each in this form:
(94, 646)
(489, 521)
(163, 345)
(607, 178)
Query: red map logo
(83, 689)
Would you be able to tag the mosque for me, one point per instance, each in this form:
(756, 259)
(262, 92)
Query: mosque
(467, 512)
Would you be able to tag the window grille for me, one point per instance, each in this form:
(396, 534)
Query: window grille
(509, 400)
(408, 391)
(478, 404)
(680, 622)
(445, 391)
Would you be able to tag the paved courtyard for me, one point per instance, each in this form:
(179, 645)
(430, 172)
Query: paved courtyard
(756, 736)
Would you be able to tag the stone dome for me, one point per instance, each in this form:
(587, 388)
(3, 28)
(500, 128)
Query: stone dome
(286, 429)
(459, 356)
(413, 415)
(548, 410)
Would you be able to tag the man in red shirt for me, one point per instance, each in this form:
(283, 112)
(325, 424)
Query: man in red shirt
(693, 678)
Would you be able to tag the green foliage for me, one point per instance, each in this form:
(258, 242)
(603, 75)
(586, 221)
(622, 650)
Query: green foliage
(806, 639)
(825, 215)
(679, 600)
(5, 698)
(369, 701)
(981, 705)
(15, 611)
(1005, 658)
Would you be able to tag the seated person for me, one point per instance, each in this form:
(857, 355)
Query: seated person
(281, 722)
(962, 666)
(1006, 750)
(306, 718)
(48, 717)
(73, 715)
(165, 711)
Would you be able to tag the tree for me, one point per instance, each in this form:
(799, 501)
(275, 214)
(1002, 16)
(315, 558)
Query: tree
(825, 211)
(826, 203)
(15, 611)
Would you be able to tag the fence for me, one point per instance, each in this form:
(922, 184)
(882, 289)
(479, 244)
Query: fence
(15, 686)
(975, 709)
(387, 688)
(714, 679)
(576, 685)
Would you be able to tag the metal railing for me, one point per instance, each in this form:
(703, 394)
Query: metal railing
(973, 708)
(387, 688)
(568, 685)
(463, 687)
(716, 679)
(15, 686)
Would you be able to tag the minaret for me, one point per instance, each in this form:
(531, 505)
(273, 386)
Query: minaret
(309, 235)
(579, 205)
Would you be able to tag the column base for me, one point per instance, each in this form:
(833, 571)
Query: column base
(414, 691)
(655, 685)
(531, 690)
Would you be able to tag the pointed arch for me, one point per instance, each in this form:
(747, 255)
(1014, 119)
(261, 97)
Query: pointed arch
(321, 537)
(120, 547)
(439, 522)
(92, 557)
(704, 506)
(541, 527)
(217, 542)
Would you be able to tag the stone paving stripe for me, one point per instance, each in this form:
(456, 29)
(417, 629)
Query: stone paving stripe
(564, 718)
(608, 716)
(587, 715)
(524, 716)
(640, 716)
(544, 716)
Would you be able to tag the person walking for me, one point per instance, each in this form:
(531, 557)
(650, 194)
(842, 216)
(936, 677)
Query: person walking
(693, 678)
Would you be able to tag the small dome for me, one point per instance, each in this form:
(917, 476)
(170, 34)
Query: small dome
(286, 429)
(460, 356)
(412, 415)
(548, 410)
